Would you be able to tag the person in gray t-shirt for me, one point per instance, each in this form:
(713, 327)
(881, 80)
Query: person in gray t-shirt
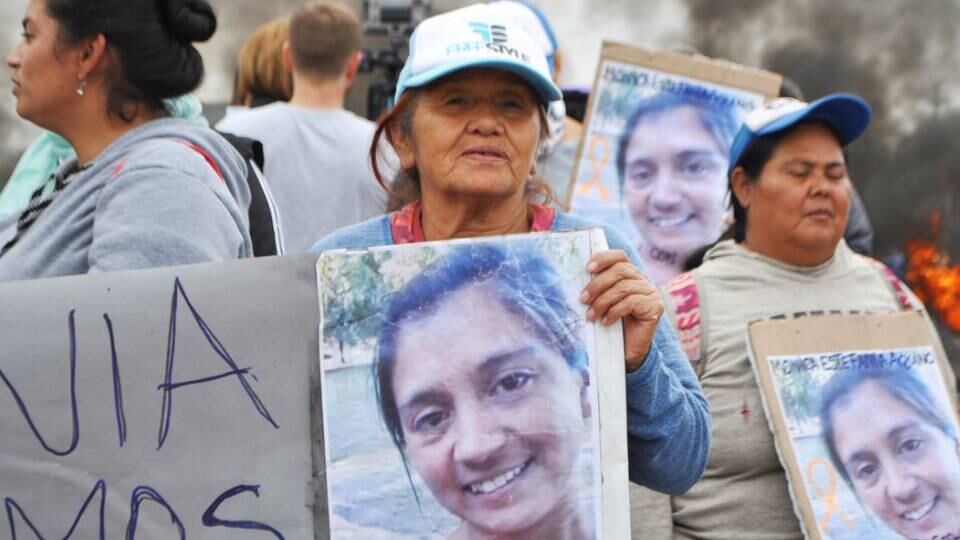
(315, 151)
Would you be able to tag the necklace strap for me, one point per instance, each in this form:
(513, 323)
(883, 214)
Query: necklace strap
(38, 203)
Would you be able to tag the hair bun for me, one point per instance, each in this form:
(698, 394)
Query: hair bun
(189, 20)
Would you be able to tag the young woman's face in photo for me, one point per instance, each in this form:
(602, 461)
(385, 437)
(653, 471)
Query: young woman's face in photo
(675, 181)
(493, 419)
(903, 467)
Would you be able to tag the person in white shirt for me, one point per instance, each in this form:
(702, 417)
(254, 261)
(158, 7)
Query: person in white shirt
(315, 150)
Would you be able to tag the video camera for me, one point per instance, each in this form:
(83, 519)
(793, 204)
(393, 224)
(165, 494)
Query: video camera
(396, 20)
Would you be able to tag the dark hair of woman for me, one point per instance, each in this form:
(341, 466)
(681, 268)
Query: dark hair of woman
(150, 43)
(718, 118)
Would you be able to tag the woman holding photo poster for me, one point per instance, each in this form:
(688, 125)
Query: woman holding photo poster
(903, 464)
(483, 382)
(672, 162)
(468, 119)
(791, 192)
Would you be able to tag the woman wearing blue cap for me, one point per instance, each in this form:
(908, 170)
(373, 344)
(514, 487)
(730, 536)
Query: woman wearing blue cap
(468, 119)
(791, 192)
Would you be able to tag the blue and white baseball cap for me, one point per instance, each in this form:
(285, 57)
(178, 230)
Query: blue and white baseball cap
(533, 21)
(847, 114)
(475, 36)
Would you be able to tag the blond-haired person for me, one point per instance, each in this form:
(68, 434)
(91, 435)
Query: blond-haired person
(263, 76)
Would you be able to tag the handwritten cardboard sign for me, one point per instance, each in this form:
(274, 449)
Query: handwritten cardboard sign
(166, 403)
(464, 391)
(653, 157)
(863, 411)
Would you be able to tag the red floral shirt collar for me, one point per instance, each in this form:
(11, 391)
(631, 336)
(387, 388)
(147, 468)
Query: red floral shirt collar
(406, 226)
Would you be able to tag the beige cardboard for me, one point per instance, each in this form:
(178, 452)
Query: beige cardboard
(828, 334)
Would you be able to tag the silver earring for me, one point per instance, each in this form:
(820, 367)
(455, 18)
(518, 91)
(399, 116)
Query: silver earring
(81, 87)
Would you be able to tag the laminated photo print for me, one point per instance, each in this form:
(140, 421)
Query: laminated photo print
(460, 392)
(869, 439)
(653, 158)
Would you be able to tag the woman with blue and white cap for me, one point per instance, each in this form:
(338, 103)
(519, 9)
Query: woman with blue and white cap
(468, 119)
(791, 191)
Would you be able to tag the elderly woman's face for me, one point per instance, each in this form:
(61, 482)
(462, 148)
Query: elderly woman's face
(675, 180)
(903, 467)
(493, 418)
(801, 199)
(475, 133)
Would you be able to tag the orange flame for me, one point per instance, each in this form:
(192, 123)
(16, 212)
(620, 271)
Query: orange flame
(932, 278)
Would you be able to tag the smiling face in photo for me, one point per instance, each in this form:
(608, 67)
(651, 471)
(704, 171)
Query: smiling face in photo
(493, 419)
(675, 180)
(904, 468)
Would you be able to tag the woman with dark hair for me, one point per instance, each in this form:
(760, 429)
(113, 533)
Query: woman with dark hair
(144, 189)
(483, 382)
(672, 163)
(791, 190)
(468, 118)
(903, 463)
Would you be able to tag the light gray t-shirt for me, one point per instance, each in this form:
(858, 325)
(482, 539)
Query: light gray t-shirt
(316, 166)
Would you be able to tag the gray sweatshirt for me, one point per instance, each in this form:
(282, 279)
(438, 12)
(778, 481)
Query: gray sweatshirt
(148, 200)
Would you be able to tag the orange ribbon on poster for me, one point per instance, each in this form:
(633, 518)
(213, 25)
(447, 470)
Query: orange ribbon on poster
(828, 496)
(598, 162)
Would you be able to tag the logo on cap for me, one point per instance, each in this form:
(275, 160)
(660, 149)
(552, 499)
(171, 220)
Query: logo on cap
(772, 111)
(490, 33)
(494, 39)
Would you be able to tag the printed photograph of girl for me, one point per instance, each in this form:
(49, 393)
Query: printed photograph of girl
(654, 159)
(875, 439)
(672, 162)
(468, 409)
(896, 446)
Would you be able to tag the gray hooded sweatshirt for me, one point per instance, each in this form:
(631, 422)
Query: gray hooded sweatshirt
(149, 199)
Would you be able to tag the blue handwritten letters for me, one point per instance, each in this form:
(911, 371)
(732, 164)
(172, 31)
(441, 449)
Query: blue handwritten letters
(92, 445)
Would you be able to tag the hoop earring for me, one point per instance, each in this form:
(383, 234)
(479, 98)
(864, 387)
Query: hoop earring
(81, 87)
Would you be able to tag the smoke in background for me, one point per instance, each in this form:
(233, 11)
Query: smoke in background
(898, 54)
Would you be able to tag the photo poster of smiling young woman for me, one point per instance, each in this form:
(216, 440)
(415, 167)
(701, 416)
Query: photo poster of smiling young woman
(865, 424)
(461, 393)
(653, 157)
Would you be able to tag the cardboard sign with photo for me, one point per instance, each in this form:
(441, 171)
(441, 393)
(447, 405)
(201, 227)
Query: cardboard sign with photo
(653, 157)
(461, 392)
(863, 412)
